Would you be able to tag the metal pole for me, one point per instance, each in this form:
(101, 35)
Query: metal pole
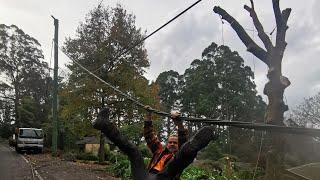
(55, 90)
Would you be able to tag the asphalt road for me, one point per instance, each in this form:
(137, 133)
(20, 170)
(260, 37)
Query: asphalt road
(12, 165)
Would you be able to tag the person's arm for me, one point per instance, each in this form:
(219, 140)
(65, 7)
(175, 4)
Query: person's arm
(150, 136)
(182, 131)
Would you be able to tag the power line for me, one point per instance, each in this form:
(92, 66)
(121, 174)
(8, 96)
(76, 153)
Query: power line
(142, 40)
(239, 124)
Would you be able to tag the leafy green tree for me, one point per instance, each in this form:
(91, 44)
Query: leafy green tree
(24, 71)
(6, 118)
(217, 86)
(168, 83)
(199, 88)
(100, 39)
(220, 86)
(27, 112)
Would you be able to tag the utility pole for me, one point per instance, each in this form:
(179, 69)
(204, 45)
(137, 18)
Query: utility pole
(55, 90)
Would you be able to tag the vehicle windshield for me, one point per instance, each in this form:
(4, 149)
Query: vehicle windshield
(30, 133)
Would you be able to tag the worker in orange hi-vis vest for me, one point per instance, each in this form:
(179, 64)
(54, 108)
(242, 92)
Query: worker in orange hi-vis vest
(162, 155)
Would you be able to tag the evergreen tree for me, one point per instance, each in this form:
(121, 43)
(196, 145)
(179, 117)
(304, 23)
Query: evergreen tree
(24, 72)
(100, 39)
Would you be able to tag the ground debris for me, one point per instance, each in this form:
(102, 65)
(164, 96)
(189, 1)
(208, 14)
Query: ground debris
(53, 168)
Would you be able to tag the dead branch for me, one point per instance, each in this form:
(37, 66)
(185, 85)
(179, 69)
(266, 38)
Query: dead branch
(261, 33)
(243, 35)
(131, 150)
(281, 21)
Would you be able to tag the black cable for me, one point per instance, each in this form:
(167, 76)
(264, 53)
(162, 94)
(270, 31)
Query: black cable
(142, 40)
(240, 124)
(266, 127)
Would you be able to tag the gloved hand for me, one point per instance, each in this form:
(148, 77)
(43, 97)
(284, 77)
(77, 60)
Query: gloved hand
(175, 116)
(148, 114)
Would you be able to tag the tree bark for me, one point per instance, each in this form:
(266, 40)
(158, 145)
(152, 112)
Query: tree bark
(16, 105)
(111, 131)
(102, 142)
(101, 148)
(274, 89)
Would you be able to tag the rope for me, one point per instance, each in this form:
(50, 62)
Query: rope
(142, 40)
(262, 133)
(104, 82)
(247, 125)
(259, 154)
(240, 124)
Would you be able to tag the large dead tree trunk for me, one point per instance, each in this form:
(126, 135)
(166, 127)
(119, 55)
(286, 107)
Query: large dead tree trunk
(272, 56)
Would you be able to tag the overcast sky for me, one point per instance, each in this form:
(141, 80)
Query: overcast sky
(174, 47)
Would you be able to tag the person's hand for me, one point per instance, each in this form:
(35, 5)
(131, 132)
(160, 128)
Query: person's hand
(175, 116)
(148, 114)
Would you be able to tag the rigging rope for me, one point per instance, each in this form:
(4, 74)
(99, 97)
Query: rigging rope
(142, 40)
(240, 124)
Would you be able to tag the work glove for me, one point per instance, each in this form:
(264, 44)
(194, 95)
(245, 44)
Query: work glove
(175, 116)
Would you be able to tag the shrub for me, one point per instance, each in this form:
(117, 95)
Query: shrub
(87, 157)
(213, 152)
(145, 151)
(195, 173)
(121, 168)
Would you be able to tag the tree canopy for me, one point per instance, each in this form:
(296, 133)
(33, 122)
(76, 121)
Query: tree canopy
(24, 73)
(100, 39)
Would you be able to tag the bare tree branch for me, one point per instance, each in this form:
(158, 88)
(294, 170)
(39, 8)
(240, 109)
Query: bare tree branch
(243, 35)
(286, 14)
(252, 4)
(281, 20)
(277, 13)
(262, 35)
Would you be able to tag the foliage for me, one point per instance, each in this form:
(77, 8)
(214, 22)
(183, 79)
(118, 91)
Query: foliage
(145, 151)
(168, 83)
(219, 86)
(24, 71)
(133, 131)
(120, 165)
(307, 114)
(212, 152)
(6, 118)
(210, 170)
(27, 112)
(106, 33)
(195, 173)
(86, 156)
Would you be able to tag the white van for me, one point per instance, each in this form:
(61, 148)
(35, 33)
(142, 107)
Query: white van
(29, 139)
